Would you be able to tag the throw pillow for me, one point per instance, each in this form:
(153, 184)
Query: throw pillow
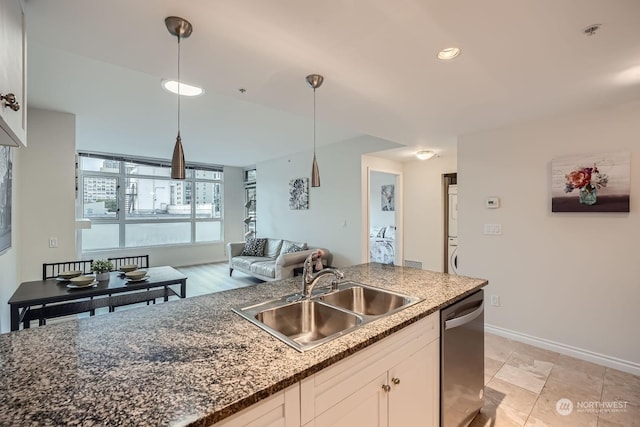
(254, 247)
(292, 248)
(289, 246)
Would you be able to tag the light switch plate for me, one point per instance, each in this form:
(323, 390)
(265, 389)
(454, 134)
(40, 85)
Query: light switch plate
(493, 229)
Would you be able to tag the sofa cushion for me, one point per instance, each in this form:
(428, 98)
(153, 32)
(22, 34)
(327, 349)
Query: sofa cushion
(245, 262)
(288, 245)
(264, 268)
(272, 248)
(254, 247)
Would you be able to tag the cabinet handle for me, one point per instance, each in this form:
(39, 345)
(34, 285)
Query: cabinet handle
(10, 101)
(396, 381)
(386, 388)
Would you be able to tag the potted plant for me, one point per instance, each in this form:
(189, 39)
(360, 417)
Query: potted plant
(101, 267)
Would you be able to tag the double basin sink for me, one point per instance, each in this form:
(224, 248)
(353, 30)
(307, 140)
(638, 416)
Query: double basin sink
(308, 323)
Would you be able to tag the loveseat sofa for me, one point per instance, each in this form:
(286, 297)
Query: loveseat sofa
(277, 259)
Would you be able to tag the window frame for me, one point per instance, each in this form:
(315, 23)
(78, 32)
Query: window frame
(123, 177)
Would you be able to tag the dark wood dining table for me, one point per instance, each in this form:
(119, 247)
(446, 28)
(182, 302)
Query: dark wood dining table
(43, 299)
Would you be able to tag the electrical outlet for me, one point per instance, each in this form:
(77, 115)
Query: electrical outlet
(495, 300)
(53, 242)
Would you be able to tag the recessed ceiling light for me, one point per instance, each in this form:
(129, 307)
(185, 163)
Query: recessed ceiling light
(448, 53)
(185, 89)
(425, 154)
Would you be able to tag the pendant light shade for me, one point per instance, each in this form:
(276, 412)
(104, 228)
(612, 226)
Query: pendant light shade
(181, 28)
(177, 161)
(314, 81)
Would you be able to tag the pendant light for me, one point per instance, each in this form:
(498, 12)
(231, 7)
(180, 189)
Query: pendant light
(181, 28)
(315, 81)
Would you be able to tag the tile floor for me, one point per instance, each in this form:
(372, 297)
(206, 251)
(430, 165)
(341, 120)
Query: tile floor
(523, 384)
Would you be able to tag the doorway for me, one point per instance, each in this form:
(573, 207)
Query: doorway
(383, 201)
(450, 215)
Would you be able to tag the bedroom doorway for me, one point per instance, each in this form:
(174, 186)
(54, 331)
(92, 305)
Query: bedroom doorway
(383, 200)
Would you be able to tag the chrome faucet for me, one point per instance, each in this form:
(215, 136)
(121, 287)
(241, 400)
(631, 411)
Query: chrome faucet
(310, 279)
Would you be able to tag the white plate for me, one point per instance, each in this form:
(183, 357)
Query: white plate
(72, 286)
(60, 279)
(142, 279)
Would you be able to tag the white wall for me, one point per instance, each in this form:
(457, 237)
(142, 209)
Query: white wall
(568, 280)
(9, 266)
(424, 212)
(334, 218)
(378, 217)
(46, 192)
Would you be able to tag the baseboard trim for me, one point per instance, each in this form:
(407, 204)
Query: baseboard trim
(578, 353)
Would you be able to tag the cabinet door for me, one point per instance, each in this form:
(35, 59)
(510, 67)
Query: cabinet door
(13, 76)
(414, 395)
(280, 410)
(366, 407)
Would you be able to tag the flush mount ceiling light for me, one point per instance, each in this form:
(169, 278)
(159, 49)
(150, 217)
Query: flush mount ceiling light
(181, 88)
(448, 53)
(181, 28)
(425, 154)
(315, 81)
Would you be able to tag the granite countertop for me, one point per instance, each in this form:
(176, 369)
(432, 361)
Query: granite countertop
(185, 362)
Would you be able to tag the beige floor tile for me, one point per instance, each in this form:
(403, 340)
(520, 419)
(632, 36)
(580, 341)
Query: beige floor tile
(531, 363)
(492, 416)
(544, 413)
(629, 416)
(620, 385)
(491, 366)
(525, 379)
(589, 381)
(497, 348)
(536, 353)
(516, 401)
(580, 365)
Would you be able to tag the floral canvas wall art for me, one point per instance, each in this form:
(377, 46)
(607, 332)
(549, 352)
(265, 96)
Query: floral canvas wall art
(591, 183)
(388, 198)
(299, 193)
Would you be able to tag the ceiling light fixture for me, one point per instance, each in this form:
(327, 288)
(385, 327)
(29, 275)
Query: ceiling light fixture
(425, 154)
(448, 53)
(181, 28)
(315, 81)
(183, 89)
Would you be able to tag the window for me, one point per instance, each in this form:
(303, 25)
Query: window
(134, 202)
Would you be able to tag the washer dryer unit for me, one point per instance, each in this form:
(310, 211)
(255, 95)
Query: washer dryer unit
(453, 255)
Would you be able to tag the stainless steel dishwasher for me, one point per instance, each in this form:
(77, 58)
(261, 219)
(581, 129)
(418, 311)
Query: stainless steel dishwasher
(462, 360)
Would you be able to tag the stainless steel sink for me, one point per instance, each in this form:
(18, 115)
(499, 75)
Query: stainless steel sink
(303, 324)
(366, 300)
(306, 324)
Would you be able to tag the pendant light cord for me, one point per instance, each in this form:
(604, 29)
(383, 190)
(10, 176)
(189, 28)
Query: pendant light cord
(179, 83)
(314, 121)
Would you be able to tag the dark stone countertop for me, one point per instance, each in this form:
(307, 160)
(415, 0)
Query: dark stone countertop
(185, 362)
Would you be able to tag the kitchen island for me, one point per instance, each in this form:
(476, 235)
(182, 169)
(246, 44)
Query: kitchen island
(188, 362)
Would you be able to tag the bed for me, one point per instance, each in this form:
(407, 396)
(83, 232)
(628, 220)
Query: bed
(382, 244)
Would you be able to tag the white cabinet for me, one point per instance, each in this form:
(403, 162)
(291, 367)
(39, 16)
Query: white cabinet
(394, 383)
(280, 410)
(13, 124)
(414, 395)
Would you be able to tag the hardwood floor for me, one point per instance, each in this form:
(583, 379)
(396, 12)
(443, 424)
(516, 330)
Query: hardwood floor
(210, 278)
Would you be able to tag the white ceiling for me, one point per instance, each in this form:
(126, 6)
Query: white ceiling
(524, 59)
